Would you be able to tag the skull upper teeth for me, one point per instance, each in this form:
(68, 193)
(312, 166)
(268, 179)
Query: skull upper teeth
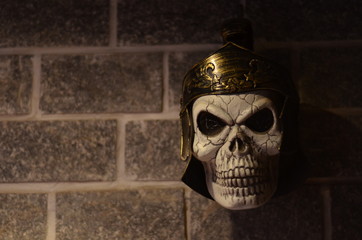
(240, 177)
(229, 162)
(245, 191)
(239, 172)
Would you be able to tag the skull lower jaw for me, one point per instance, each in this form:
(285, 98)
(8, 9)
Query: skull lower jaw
(251, 188)
(238, 198)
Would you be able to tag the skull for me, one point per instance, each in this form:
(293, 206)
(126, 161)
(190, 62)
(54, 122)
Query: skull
(237, 138)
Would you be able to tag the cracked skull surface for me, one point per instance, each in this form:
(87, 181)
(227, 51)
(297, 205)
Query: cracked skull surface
(237, 138)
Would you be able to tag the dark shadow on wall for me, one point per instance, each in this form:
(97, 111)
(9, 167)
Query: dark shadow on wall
(332, 144)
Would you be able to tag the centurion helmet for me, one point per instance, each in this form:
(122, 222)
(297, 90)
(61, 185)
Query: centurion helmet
(235, 77)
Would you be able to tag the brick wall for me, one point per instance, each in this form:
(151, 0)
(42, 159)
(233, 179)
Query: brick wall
(89, 134)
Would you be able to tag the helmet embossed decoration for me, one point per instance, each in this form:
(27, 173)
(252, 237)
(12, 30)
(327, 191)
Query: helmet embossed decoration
(239, 127)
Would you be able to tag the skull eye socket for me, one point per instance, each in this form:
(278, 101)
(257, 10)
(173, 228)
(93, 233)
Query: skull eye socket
(261, 121)
(209, 124)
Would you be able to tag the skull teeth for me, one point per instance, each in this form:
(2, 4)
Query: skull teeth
(241, 172)
(240, 182)
(241, 177)
(246, 191)
(247, 162)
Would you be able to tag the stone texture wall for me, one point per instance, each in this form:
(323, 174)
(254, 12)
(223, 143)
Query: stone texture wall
(89, 131)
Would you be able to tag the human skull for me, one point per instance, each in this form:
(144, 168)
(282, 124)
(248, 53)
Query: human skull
(237, 138)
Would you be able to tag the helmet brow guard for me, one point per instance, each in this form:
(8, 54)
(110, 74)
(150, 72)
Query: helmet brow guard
(234, 70)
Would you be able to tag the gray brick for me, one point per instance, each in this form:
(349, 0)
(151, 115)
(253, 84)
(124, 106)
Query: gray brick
(305, 20)
(57, 151)
(152, 151)
(15, 84)
(23, 216)
(282, 57)
(180, 63)
(129, 214)
(209, 221)
(329, 142)
(346, 212)
(54, 23)
(284, 217)
(331, 77)
(356, 120)
(172, 21)
(102, 83)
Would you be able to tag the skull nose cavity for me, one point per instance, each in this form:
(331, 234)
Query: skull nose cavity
(237, 145)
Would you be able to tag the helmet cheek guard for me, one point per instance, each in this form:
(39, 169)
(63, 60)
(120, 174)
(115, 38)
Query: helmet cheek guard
(186, 135)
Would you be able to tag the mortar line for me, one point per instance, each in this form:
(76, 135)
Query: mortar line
(334, 180)
(166, 84)
(121, 149)
(327, 218)
(263, 44)
(113, 23)
(93, 116)
(107, 49)
(52, 187)
(36, 86)
(51, 217)
(346, 111)
(259, 43)
(48, 187)
(243, 3)
(187, 196)
(295, 68)
(172, 115)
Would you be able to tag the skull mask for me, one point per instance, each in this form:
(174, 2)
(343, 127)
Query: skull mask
(237, 138)
(238, 117)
